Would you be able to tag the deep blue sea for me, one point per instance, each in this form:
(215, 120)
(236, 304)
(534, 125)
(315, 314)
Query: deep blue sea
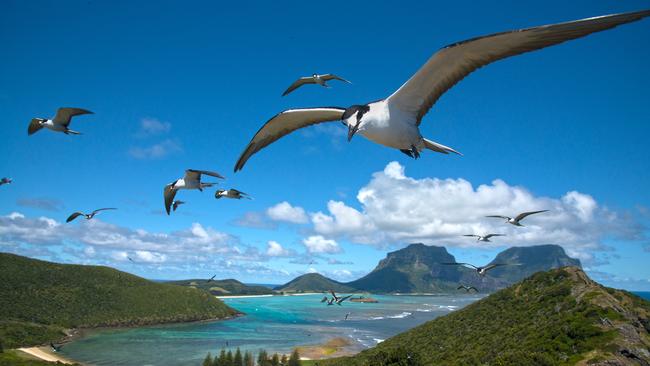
(276, 324)
(643, 294)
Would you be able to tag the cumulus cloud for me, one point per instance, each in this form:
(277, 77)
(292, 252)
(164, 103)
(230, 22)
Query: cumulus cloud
(318, 244)
(284, 211)
(156, 151)
(395, 209)
(274, 249)
(42, 203)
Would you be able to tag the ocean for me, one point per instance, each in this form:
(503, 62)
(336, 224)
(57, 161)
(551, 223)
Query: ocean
(277, 324)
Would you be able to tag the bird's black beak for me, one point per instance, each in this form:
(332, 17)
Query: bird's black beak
(352, 130)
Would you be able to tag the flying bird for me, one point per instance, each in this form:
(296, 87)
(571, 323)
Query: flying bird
(482, 270)
(314, 79)
(212, 278)
(87, 216)
(516, 221)
(483, 237)
(346, 316)
(325, 298)
(395, 120)
(467, 288)
(5, 180)
(55, 348)
(129, 258)
(191, 180)
(59, 123)
(175, 204)
(231, 193)
(338, 300)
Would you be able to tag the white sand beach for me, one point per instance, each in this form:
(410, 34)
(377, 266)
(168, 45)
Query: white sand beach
(44, 354)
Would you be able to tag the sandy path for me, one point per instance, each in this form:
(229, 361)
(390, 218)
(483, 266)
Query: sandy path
(44, 355)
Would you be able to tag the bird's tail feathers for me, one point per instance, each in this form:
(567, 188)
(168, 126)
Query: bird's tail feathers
(72, 132)
(432, 145)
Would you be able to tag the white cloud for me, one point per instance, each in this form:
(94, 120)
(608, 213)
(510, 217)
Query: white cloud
(274, 249)
(395, 208)
(318, 244)
(156, 151)
(283, 211)
(153, 126)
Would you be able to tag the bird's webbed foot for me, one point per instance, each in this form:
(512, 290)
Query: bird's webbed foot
(407, 152)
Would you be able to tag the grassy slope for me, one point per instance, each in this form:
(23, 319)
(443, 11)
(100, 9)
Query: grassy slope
(15, 358)
(38, 299)
(551, 318)
(225, 287)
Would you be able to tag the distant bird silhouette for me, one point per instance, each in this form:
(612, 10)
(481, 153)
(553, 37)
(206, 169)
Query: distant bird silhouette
(231, 193)
(59, 123)
(467, 288)
(5, 180)
(338, 300)
(87, 216)
(175, 204)
(191, 180)
(481, 270)
(324, 299)
(212, 278)
(483, 237)
(129, 258)
(516, 221)
(55, 348)
(346, 316)
(314, 79)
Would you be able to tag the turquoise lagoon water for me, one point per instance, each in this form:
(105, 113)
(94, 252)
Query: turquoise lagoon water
(276, 324)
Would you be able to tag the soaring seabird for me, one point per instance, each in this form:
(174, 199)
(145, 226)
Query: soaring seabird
(88, 216)
(5, 180)
(467, 288)
(336, 299)
(55, 348)
(59, 123)
(516, 221)
(212, 278)
(175, 204)
(482, 270)
(483, 237)
(231, 193)
(395, 120)
(314, 79)
(191, 180)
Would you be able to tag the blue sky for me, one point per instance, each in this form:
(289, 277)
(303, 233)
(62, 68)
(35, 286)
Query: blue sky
(176, 86)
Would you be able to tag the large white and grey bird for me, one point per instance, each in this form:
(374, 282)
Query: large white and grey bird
(485, 238)
(191, 180)
(88, 216)
(5, 180)
(395, 120)
(314, 79)
(231, 193)
(59, 123)
(516, 220)
(481, 270)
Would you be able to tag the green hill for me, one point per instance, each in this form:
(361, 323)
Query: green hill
(225, 287)
(559, 317)
(38, 300)
(313, 282)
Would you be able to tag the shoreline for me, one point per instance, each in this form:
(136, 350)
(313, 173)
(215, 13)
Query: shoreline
(43, 353)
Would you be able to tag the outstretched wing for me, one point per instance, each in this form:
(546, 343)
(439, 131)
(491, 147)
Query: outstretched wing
(334, 295)
(488, 236)
(298, 83)
(327, 77)
(283, 124)
(64, 115)
(460, 264)
(495, 265)
(500, 217)
(524, 214)
(169, 193)
(74, 216)
(104, 209)
(451, 64)
(472, 235)
(195, 174)
(344, 298)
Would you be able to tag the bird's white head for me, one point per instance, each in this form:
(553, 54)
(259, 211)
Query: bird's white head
(353, 117)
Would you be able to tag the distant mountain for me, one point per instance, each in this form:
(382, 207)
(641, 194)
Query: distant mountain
(225, 287)
(532, 259)
(418, 268)
(39, 299)
(559, 317)
(313, 282)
